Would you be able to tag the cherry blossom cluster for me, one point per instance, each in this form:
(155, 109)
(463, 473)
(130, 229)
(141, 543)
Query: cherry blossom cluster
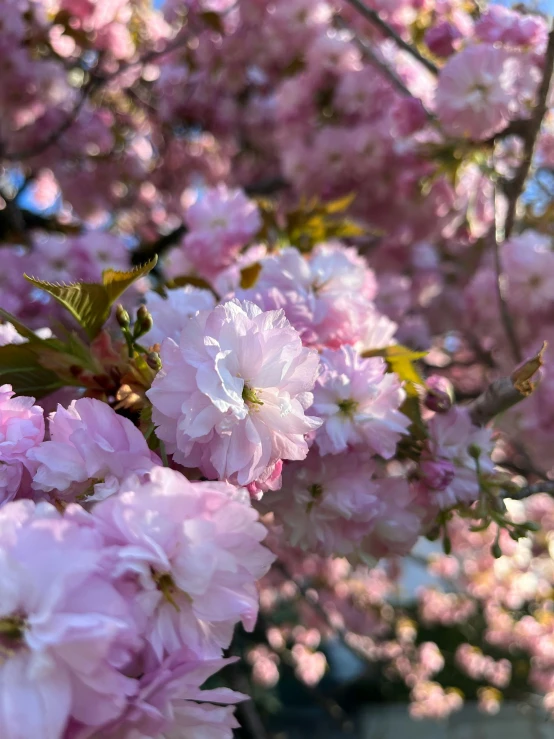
(351, 210)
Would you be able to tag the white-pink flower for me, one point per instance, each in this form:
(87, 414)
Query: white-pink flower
(191, 554)
(358, 401)
(92, 449)
(232, 394)
(326, 296)
(476, 94)
(170, 702)
(21, 431)
(399, 522)
(327, 504)
(171, 313)
(220, 223)
(457, 454)
(66, 633)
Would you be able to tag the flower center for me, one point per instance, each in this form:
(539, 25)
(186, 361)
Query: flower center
(166, 586)
(316, 490)
(12, 631)
(250, 396)
(348, 406)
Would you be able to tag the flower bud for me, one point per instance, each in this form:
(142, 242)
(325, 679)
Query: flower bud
(439, 394)
(122, 316)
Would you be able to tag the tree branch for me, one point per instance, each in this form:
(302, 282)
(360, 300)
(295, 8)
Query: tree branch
(545, 486)
(94, 83)
(374, 17)
(145, 252)
(515, 187)
(505, 314)
(379, 64)
(506, 392)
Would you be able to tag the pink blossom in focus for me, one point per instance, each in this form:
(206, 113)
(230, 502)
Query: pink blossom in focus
(170, 314)
(21, 431)
(359, 404)
(91, 449)
(327, 296)
(231, 396)
(191, 553)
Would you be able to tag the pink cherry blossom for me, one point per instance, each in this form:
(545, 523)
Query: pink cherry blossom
(326, 504)
(171, 313)
(399, 522)
(220, 223)
(67, 634)
(191, 553)
(21, 432)
(326, 297)
(456, 455)
(91, 449)
(231, 396)
(476, 93)
(170, 701)
(359, 404)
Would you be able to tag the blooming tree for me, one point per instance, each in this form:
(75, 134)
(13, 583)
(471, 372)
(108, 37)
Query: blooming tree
(276, 297)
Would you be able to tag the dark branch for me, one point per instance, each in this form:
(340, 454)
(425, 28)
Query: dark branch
(545, 486)
(145, 252)
(505, 314)
(94, 83)
(379, 64)
(377, 21)
(506, 392)
(515, 187)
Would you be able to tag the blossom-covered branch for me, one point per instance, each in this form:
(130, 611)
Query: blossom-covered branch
(374, 17)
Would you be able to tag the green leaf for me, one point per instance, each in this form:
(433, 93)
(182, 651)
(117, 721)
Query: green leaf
(90, 303)
(87, 302)
(340, 204)
(249, 275)
(117, 282)
(400, 360)
(184, 280)
(21, 368)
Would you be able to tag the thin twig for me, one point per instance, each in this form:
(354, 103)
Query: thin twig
(379, 64)
(545, 486)
(516, 185)
(93, 84)
(376, 19)
(338, 631)
(247, 711)
(505, 314)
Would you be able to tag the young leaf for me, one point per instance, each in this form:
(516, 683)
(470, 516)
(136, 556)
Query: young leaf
(117, 282)
(21, 368)
(87, 302)
(400, 360)
(249, 275)
(340, 204)
(90, 303)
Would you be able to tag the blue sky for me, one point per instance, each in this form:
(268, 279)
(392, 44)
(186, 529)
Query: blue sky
(546, 6)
